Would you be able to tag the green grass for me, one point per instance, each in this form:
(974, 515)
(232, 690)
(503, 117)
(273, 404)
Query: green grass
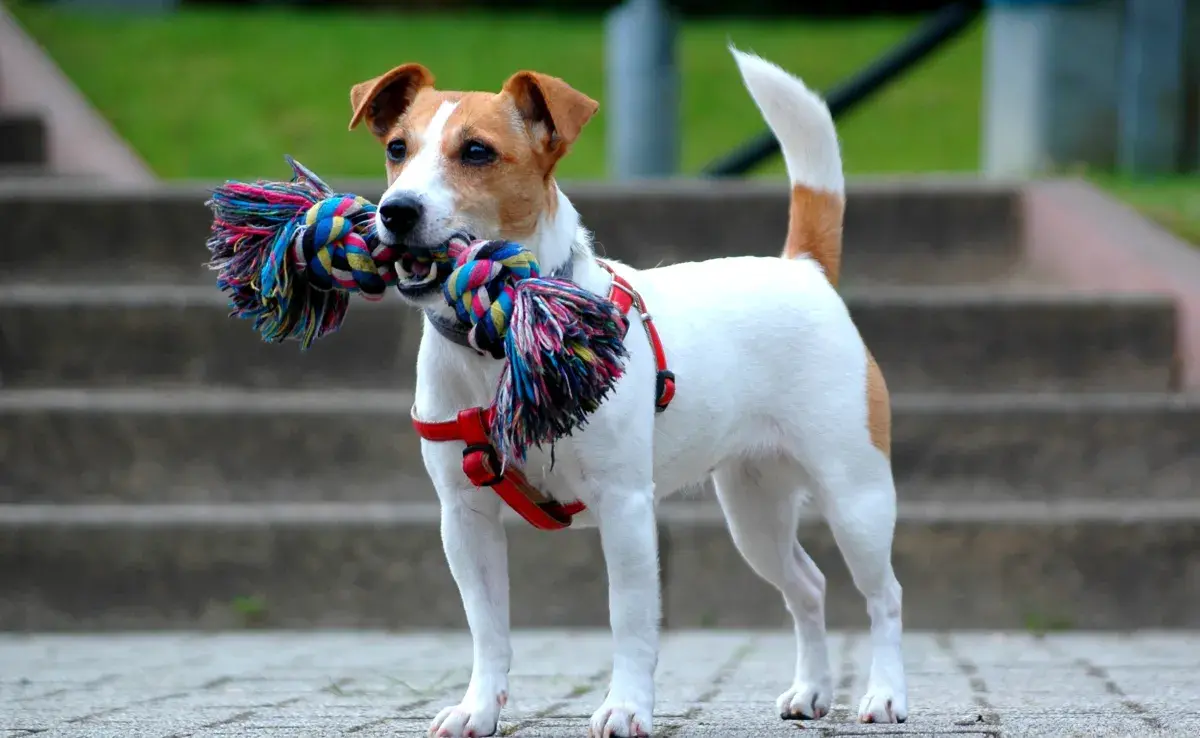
(251, 609)
(1172, 202)
(216, 93)
(219, 93)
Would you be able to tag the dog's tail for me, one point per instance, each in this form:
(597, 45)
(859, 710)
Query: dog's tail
(802, 123)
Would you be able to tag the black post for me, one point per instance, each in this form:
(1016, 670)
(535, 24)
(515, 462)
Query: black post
(943, 26)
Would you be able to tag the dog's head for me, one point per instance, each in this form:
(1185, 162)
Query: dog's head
(475, 162)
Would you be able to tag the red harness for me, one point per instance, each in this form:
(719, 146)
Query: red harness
(481, 462)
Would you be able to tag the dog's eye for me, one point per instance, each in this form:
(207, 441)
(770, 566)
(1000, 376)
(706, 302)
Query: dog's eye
(477, 154)
(397, 150)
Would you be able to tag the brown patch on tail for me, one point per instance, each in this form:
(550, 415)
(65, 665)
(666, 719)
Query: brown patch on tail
(879, 408)
(815, 228)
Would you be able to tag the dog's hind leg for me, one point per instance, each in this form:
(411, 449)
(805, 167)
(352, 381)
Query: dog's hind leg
(761, 501)
(860, 505)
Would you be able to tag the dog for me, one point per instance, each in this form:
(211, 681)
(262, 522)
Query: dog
(779, 401)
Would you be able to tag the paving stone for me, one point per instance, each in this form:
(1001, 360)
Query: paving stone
(709, 684)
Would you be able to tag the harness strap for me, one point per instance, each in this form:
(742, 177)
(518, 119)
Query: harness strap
(481, 463)
(482, 467)
(624, 296)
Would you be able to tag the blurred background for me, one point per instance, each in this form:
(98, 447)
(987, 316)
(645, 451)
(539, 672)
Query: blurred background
(1024, 209)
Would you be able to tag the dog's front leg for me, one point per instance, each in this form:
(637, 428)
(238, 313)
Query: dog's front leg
(474, 541)
(629, 537)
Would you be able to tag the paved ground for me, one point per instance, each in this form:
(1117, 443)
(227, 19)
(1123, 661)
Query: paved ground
(710, 684)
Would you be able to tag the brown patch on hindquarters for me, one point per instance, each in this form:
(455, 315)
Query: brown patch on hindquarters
(879, 408)
(815, 228)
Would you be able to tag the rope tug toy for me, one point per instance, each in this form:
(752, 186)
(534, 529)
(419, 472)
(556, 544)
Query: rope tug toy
(290, 254)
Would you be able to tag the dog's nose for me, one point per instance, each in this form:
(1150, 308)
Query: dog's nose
(399, 215)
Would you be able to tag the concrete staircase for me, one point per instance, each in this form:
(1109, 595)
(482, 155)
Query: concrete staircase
(162, 467)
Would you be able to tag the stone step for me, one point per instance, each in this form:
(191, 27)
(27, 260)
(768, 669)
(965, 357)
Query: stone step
(920, 231)
(23, 139)
(951, 339)
(342, 445)
(10, 173)
(987, 566)
(42, 175)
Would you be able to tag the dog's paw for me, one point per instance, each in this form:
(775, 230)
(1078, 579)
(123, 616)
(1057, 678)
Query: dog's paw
(621, 719)
(474, 719)
(882, 705)
(805, 702)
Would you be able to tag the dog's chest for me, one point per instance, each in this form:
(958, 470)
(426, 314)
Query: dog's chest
(557, 473)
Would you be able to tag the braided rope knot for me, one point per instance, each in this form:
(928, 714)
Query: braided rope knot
(336, 248)
(482, 290)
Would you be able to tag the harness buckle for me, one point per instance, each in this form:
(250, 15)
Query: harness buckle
(664, 390)
(558, 512)
(481, 464)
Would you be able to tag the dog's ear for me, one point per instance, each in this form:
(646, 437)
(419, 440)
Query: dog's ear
(382, 100)
(554, 111)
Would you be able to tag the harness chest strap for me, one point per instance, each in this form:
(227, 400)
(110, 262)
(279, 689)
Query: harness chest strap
(481, 463)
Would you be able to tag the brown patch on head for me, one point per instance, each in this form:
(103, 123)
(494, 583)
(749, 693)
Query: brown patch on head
(515, 188)
(382, 100)
(815, 228)
(879, 408)
(498, 151)
(397, 104)
(530, 126)
(554, 112)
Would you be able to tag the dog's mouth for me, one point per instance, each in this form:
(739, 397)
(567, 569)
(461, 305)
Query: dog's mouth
(419, 274)
(418, 278)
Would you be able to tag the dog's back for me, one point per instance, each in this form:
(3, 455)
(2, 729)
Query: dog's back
(781, 356)
(802, 123)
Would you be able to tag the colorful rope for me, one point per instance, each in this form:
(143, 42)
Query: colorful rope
(482, 291)
(564, 344)
(291, 254)
(565, 352)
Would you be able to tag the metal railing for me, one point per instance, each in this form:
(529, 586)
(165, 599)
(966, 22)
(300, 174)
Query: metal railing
(942, 27)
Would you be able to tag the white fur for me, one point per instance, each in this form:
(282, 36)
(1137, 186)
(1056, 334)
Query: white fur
(423, 175)
(771, 403)
(798, 116)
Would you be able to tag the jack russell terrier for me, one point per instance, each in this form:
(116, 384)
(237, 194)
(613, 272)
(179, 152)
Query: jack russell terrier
(807, 421)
